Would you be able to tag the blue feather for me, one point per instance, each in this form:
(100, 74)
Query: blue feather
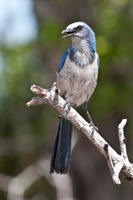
(62, 61)
(92, 42)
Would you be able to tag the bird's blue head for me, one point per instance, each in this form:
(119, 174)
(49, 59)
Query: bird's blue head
(81, 31)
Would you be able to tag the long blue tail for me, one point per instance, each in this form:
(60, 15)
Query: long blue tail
(61, 155)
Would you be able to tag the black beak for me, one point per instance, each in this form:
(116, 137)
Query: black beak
(68, 32)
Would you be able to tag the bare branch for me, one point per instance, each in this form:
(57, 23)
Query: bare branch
(117, 163)
(122, 139)
(114, 168)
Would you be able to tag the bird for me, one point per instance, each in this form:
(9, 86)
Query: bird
(76, 79)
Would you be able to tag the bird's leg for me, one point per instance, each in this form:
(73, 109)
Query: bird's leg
(67, 105)
(85, 107)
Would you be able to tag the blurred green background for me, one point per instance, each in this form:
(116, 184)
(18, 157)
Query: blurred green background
(31, 46)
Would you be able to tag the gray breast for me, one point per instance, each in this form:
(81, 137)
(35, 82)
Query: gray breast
(76, 83)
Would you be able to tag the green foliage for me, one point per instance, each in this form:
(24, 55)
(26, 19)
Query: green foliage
(49, 32)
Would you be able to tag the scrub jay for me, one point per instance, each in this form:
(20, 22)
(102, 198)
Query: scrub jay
(76, 79)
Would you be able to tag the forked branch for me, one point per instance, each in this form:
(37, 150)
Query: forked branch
(118, 164)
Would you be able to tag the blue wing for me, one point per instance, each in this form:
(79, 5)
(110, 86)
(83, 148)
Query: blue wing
(62, 61)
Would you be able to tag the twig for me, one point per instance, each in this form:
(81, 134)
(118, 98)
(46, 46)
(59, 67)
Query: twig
(117, 163)
(122, 139)
(114, 168)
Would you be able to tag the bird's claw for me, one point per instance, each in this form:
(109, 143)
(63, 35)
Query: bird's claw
(93, 126)
(67, 104)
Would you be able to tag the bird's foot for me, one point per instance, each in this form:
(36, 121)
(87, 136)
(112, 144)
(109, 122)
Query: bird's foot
(67, 105)
(95, 128)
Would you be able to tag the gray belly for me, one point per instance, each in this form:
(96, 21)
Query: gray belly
(77, 85)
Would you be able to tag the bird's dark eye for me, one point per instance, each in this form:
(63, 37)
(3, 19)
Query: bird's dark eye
(78, 28)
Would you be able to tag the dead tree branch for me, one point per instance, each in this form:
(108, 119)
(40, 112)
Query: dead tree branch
(118, 164)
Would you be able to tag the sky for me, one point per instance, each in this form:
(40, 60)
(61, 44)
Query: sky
(18, 23)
